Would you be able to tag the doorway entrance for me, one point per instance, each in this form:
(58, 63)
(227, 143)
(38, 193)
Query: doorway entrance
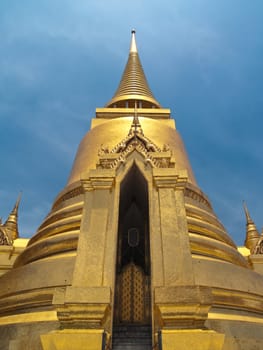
(132, 290)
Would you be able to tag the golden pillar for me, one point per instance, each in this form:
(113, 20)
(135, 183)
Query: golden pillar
(84, 308)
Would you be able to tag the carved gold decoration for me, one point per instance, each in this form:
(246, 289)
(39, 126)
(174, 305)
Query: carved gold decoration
(4, 239)
(135, 140)
(71, 194)
(197, 196)
(259, 247)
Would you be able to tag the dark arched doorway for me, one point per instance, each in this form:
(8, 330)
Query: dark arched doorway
(132, 289)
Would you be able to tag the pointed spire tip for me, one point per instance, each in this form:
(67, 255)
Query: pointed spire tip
(133, 47)
(18, 201)
(133, 84)
(249, 220)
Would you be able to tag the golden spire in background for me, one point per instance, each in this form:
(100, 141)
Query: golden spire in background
(11, 224)
(252, 234)
(133, 85)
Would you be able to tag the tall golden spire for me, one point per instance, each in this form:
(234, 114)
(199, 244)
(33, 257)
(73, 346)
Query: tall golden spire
(252, 234)
(133, 85)
(11, 224)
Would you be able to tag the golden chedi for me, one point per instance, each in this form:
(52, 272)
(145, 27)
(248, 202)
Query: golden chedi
(131, 255)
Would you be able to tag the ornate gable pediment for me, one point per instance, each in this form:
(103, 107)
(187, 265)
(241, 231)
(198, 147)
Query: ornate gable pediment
(135, 140)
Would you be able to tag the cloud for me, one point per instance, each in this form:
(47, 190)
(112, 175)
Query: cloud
(62, 60)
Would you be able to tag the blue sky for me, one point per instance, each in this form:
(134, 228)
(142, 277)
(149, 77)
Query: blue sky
(62, 59)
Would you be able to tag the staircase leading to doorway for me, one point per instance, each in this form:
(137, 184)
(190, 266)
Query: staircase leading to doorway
(132, 337)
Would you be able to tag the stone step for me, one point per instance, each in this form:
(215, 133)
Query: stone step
(132, 330)
(132, 347)
(132, 326)
(143, 329)
(146, 341)
(124, 336)
(132, 337)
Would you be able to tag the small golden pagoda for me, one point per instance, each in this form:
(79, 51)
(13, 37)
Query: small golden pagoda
(132, 255)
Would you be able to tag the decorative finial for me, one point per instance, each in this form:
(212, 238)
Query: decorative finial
(11, 224)
(248, 217)
(252, 234)
(133, 47)
(136, 126)
(18, 201)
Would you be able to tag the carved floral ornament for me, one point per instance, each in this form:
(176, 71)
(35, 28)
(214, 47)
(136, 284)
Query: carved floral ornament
(259, 246)
(155, 156)
(4, 239)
